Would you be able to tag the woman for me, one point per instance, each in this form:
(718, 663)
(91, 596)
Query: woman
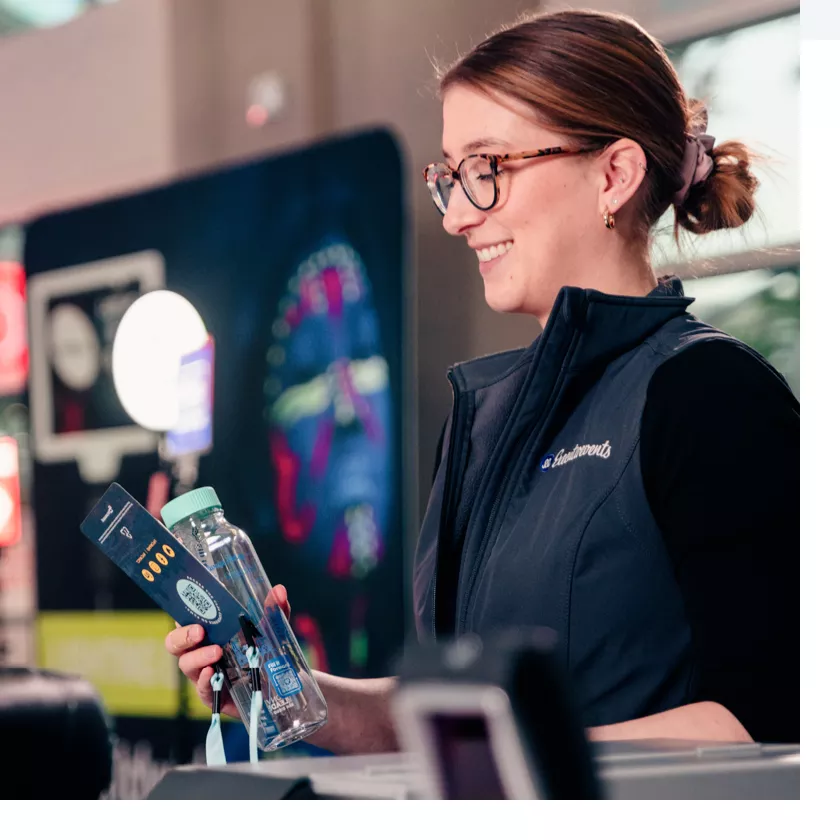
(631, 479)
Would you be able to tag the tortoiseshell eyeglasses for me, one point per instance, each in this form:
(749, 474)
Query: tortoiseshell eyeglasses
(479, 176)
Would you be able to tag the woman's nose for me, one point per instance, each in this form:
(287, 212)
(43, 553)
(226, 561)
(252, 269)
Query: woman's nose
(461, 213)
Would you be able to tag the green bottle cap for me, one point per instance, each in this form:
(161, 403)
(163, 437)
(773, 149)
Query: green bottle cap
(202, 498)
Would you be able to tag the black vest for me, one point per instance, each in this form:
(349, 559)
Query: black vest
(538, 514)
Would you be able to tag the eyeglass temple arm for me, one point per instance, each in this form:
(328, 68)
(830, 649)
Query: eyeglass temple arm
(535, 153)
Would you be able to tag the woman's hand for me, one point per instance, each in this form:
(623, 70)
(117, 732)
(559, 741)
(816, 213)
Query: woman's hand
(360, 710)
(196, 660)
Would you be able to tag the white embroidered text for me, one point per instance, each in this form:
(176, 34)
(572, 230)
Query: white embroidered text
(551, 461)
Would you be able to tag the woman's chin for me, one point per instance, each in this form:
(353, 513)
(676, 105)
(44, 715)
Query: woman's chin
(502, 301)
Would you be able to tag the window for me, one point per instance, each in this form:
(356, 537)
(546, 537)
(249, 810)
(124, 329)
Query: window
(755, 100)
(760, 307)
(747, 281)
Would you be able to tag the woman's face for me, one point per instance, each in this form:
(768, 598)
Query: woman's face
(547, 212)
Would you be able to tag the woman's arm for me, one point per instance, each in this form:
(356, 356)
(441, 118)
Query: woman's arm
(360, 720)
(720, 459)
(696, 722)
(359, 715)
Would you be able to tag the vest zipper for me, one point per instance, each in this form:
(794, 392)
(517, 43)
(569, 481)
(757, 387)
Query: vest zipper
(503, 496)
(455, 461)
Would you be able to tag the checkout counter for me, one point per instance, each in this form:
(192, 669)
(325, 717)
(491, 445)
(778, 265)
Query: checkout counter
(496, 721)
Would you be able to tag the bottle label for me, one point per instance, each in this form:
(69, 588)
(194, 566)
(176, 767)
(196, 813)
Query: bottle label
(240, 648)
(281, 672)
(284, 678)
(268, 724)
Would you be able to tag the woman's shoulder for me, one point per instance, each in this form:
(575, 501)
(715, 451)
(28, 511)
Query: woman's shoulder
(718, 378)
(717, 360)
(719, 426)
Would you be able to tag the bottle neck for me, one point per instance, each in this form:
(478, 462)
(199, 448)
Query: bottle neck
(204, 520)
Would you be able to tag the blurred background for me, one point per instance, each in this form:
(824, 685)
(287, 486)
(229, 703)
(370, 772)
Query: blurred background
(262, 158)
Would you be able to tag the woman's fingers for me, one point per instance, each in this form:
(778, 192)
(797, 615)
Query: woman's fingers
(203, 687)
(182, 639)
(205, 694)
(280, 598)
(194, 662)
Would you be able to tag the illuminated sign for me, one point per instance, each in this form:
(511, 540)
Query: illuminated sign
(14, 350)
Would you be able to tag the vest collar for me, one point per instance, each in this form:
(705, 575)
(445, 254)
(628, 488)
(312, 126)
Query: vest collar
(608, 326)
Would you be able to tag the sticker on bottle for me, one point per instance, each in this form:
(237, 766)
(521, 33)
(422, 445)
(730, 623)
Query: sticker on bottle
(284, 678)
(240, 648)
(269, 726)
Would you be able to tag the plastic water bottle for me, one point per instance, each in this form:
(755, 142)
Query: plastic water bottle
(293, 706)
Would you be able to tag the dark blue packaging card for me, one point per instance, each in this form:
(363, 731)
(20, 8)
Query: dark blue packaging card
(154, 559)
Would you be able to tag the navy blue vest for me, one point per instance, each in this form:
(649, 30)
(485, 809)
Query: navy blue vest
(538, 514)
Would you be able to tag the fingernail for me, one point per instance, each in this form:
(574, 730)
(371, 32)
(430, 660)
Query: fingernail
(191, 636)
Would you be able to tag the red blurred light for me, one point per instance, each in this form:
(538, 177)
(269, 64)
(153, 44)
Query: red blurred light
(14, 346)
(256, 116)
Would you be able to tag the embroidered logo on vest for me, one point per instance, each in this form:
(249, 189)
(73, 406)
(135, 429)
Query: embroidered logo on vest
(552, 461)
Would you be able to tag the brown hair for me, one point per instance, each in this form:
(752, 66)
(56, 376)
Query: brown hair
(599, 77)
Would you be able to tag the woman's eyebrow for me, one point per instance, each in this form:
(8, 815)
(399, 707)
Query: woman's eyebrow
(479, 143)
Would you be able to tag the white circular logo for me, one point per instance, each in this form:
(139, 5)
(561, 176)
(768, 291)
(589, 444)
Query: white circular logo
(74, 347)
(197, 600)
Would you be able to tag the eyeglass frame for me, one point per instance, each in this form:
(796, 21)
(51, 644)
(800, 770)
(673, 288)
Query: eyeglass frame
(495, 160)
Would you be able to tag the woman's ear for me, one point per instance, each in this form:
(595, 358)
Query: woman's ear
(621, 169)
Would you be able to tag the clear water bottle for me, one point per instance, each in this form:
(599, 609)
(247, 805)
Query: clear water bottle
(293, 706)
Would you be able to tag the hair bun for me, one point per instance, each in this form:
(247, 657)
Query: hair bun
(726, 199)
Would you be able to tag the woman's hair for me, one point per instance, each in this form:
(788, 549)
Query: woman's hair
(600, 77)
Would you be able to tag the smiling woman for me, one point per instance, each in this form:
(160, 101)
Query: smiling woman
(610, 482)
(614, 142)
(650, 609)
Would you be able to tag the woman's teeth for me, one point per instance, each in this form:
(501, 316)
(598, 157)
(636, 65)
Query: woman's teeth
(487, 254)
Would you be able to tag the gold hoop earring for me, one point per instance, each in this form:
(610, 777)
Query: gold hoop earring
(609, 220)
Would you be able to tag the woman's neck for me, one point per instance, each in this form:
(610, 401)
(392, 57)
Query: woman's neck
(625, 274)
